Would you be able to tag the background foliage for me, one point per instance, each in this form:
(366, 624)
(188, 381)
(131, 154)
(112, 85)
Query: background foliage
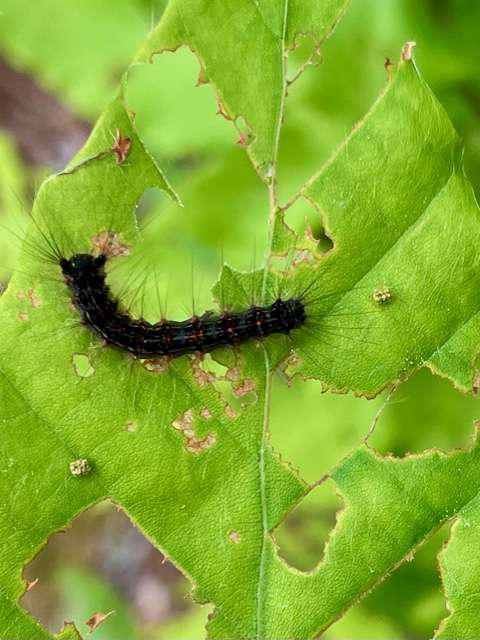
(224, 213)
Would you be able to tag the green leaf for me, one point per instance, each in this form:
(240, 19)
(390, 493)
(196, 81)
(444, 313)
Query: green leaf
(392, 225)
(196, 476)
(241, 47)
(391, 505)
(87, 417)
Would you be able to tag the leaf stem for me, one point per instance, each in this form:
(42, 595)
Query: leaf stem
(272, 183)
(261, 587)
(273, 210)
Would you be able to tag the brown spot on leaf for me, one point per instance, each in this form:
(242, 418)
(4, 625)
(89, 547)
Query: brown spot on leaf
(121, 147)
(156, 365)
(97, 618)
(185, 421)
(230, 411)
(193, 444)
(232, 374)
(240, 386)
(244, 387)
(23, 316)
(202, 377)
(234, 537)
(21, 295)
(108, 243)
(206, 413)
(197, 446)
(35, 299)
(132, 426)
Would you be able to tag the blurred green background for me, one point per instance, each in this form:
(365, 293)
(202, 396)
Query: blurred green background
(59, 64)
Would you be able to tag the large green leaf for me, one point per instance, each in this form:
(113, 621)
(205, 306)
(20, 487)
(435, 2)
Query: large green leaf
(391, 198)
(246, 60)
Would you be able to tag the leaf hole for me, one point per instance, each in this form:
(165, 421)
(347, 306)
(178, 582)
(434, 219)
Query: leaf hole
(302, 535)
(409, 603)
(82, 365)
(173, 282)
(314, 430)
(307, 223)
(184, 148)
(304, 53)
(102, 563)
(421, 415)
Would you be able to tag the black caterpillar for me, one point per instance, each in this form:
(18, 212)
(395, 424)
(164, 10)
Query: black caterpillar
(86, 279)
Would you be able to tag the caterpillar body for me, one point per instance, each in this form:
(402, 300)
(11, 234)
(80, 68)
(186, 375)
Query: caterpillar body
(85, 278)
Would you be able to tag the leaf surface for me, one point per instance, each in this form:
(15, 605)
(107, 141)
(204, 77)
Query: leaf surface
(391, 198)
(242, 50)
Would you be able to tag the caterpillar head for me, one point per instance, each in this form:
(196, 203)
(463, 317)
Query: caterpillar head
(82, 266)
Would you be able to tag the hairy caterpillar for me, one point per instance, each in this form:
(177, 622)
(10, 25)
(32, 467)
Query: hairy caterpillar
(85, 277)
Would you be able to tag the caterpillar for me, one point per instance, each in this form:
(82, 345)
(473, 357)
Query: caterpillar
(85, 278)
